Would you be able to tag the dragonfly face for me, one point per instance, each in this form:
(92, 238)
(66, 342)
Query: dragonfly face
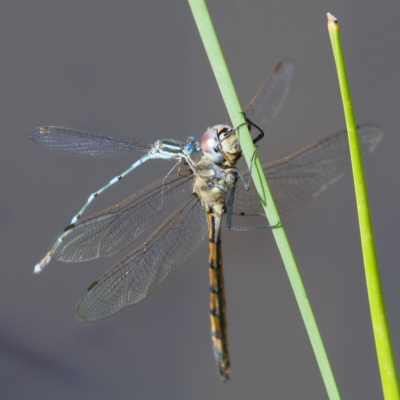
(221, 145)
(203, 191)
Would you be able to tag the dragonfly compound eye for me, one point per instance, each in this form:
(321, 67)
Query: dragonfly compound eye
(210, 145)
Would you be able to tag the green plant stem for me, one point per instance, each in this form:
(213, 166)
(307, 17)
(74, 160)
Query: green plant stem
(383, 343)
(213, 50)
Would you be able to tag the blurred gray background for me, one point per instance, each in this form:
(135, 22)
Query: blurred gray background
(138, 68)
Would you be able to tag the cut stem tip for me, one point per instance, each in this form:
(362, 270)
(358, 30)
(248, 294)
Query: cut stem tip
(332, 20)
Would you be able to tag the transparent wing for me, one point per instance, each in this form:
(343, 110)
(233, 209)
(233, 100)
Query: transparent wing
(296, 179)
(81, 143)
(111, 230)
(269, 99)
(136, 275)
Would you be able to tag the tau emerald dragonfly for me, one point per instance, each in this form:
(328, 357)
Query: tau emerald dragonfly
(209, 187)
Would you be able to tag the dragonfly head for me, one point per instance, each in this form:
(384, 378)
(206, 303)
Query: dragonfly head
(220, 144)
(211, 145)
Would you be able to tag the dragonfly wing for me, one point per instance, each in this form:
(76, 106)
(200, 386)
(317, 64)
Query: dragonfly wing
(298, 178)
(111, 230)
(303, 175)
(136, 275)
(81, 143)
(269, 99)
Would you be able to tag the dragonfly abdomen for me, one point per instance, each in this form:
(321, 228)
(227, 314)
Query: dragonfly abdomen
(217, 297)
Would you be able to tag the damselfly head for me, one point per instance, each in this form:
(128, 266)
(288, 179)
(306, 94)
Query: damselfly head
(192, 145)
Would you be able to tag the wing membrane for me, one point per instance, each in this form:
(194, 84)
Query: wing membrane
(81, 143)
(109, 231)
(137, 274)
(269, 99)
(298, 178)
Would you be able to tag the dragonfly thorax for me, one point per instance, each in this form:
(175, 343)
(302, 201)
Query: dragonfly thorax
(212, 183)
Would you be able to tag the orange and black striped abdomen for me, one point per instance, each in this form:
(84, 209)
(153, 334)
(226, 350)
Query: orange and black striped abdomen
(217, 297)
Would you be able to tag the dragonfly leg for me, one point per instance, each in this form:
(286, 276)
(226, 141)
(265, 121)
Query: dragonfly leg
(261, 134)
(246, 185)
(249, 125)
(230, 212)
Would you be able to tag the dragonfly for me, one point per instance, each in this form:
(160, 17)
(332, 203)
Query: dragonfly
(210, 188)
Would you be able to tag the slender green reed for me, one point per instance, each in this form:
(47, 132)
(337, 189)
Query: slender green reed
(213, 50)
(383, 343)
